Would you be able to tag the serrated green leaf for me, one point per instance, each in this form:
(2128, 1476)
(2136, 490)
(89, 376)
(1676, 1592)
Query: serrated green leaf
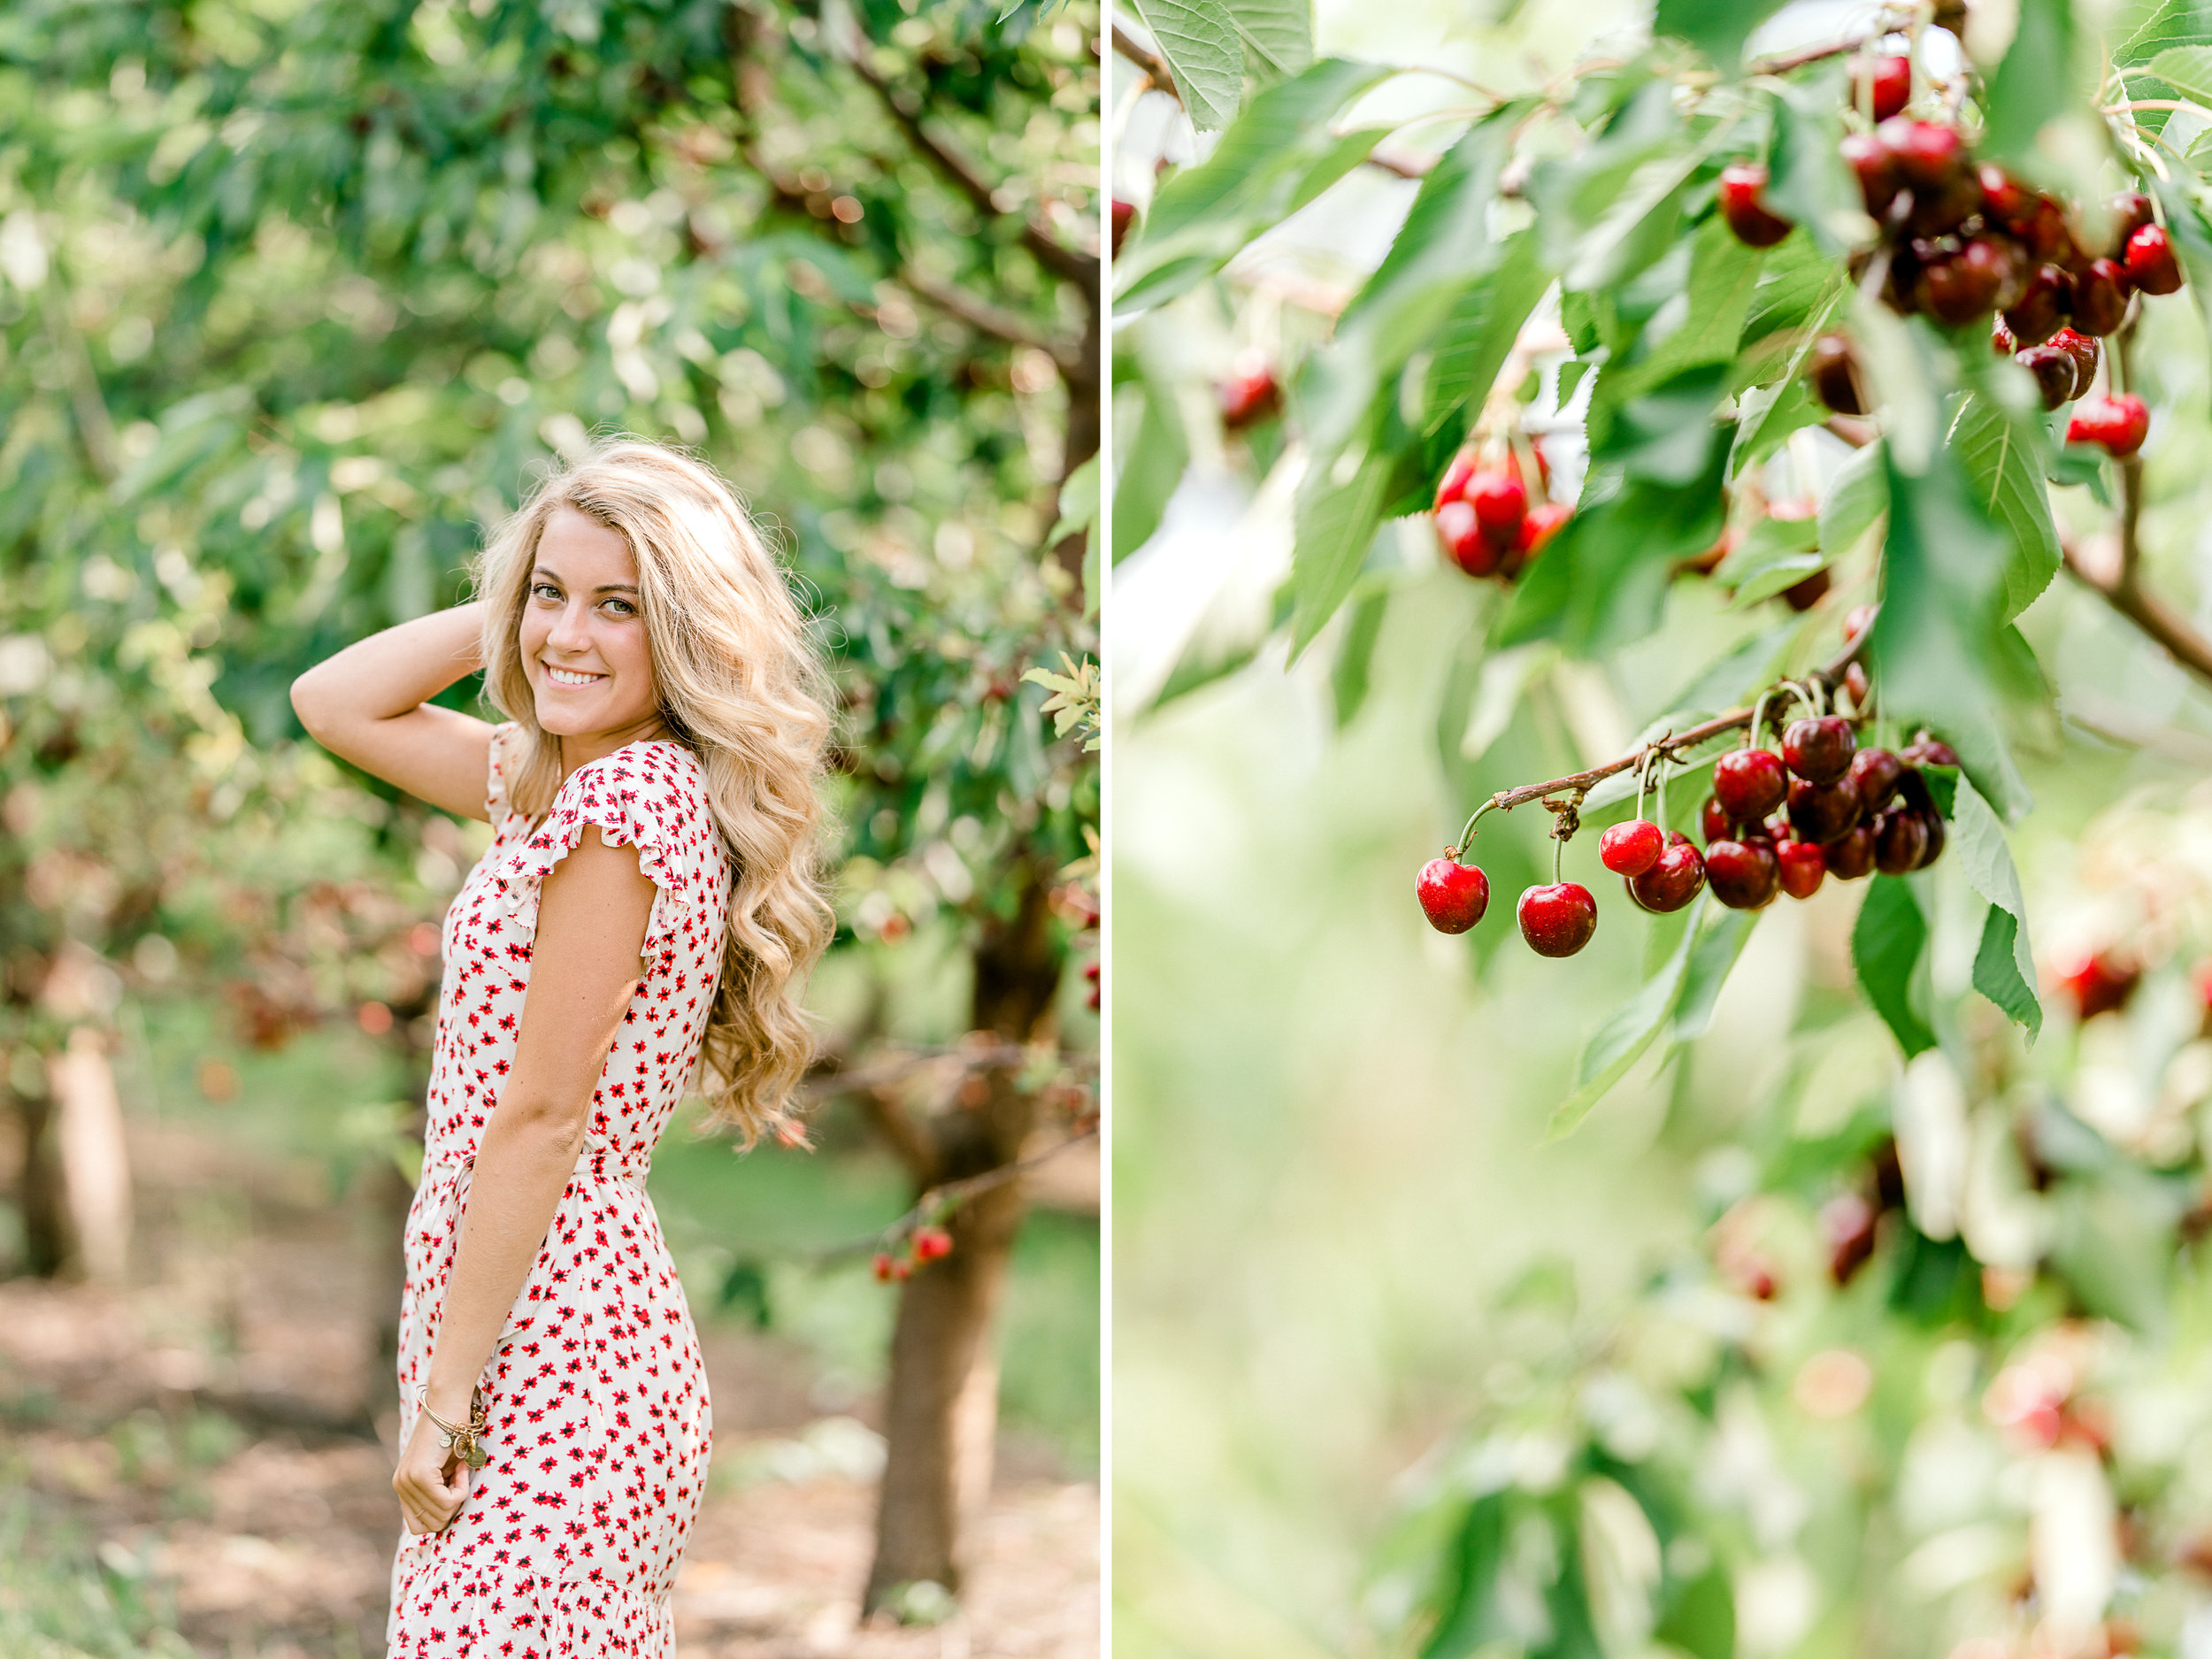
(1778, 553)
(1280, 32)
(2000, 460)
(1857, 498)
(1356, 655)
(1716, 28)
(1200, 41)
(1478, 334)
(1627, 1032)
(2191, 236)
(1712, 957)
(1808, 181)
(1149, 472)
(2187, 70)
(1766, 416)
(1886, 945)
(2170, 23)
(2007, 977)
(1336, 526)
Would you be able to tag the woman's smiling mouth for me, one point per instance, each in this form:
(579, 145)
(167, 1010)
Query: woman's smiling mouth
(571, 677)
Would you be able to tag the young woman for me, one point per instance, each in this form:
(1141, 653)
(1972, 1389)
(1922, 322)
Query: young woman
(648, 908)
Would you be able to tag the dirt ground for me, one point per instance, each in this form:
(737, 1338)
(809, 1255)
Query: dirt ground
(191, 1433)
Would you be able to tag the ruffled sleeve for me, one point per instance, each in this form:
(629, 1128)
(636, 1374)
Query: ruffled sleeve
(496, 804)
(635, 800)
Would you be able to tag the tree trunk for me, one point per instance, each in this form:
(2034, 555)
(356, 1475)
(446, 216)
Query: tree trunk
(39, 1192)
(95, 1166)
(941, 1412)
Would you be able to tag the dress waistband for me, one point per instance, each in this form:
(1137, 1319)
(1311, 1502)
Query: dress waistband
(598, 1158)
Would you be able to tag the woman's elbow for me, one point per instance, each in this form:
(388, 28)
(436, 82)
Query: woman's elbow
(309, 704)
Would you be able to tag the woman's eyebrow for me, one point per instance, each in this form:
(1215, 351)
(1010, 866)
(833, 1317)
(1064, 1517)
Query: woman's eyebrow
(603, 587)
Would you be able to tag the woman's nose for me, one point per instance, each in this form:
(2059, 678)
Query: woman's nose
(571, 630)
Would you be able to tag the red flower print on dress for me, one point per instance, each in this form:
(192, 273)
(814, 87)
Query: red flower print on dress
(579, 1583)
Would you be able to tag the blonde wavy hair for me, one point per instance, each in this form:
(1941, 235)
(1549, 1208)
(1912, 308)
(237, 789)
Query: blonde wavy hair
(742, 685)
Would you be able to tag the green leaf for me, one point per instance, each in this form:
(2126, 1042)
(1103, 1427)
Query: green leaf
(2171, 23)
(1149, 472)
(1711, 959)
(1886, 946)
(1478, 334)
(1610, 210)
(1999, 456)
(1347, 678)
(1336, 526)
(2191, 236)
(1200, 41)
(2187, 70)
(1279, 154)
(1280, 32)
(1766, 416)
(2031, 86)
(1716, 28)
(1857, 498)
(1079, 502)
(1627, 1032)
(2004, 969)
(1779, 553)
(1937, 643)
(1808, 181)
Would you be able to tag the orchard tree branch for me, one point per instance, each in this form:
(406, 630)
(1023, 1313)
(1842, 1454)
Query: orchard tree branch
(1782, 63)
(1155, 66)
(2152, 615)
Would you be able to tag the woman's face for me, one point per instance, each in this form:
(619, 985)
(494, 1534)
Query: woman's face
(583, 637)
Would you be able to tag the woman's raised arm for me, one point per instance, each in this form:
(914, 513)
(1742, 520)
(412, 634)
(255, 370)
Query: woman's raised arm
(371, 704)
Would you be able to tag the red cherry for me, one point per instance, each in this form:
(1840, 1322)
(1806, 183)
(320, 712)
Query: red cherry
(2040, 311)
(1674, 880)
(1875, 168)
(2101, 297)
(1124, 211)
(2085, 353)
(1901, 839)
(2000, 339)
(1803, 864)
(2119, 424)
(2055, 372)
(2004, 198)
(1819, 749)
(1630, 849)
(1743, 873)
(2097, 983)
(1713, 822)
(902, 1268)
(1558, 919)
(1926, 153)
(1856, 621)
(1875, 773)
(1452, 486)
(1545, 520)
(1967, 285)
(1461, 533)
(1453, 894)
(1743, 205)
(1820, 812)
(1749, 783)
(1857, 686)
(1836, 376)
(932, 1244)
(1940, 209)
(1924, 751)
(881, 1266)
(1932, 826)
(1851, 855)
(1802, 594)
(2151, 266)
(1846, 1224)
(1249, 396)
(2131, 212)
(1890, 83)
(1500, 502)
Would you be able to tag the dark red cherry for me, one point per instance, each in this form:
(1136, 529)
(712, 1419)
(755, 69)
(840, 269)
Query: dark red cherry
(1818, 749)
(1743, 873)
(2004, 198)
(1857, 686)
(1876, 170)
(1803, 864)
(2118, 425)
(2101, 297)
(1932, 822)
(1836, 376)
(1926, 153)
(2086, 354)
(1743, 205)
(1124, 211)
(1453, 895)
(2055, 372)
(1847, 1226)
(1558, 919)
(2151, 264)
(1749, 783)
(1713, 820)
(1453, 485)
(1924, 751)
(1901, 839)
(1500, 502)
(2097, 983)
(1820, 812)
(1940, 209)
(1851, 855)
(1630, 849)
(1874, 774)
(2131, 212)
(2040, 311)
(1674, 880)
(1960, 289)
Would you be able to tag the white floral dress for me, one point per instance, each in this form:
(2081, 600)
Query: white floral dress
(568, 1545)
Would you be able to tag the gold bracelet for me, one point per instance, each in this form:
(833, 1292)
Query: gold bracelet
(464, 1443)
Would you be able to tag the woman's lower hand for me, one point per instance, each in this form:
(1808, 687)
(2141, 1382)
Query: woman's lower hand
(432, 1482)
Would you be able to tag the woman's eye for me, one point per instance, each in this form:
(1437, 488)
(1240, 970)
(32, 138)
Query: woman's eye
(544, 590)
(623, 607)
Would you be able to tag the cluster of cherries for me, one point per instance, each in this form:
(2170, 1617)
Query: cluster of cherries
(1773, 824)
(925, 1245)
(1961, 240)
(1484, 518)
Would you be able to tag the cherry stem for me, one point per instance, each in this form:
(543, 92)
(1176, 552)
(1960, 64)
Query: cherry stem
(1666, 749)
(1467, 831)
(1558, 852)
(1643, 781)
